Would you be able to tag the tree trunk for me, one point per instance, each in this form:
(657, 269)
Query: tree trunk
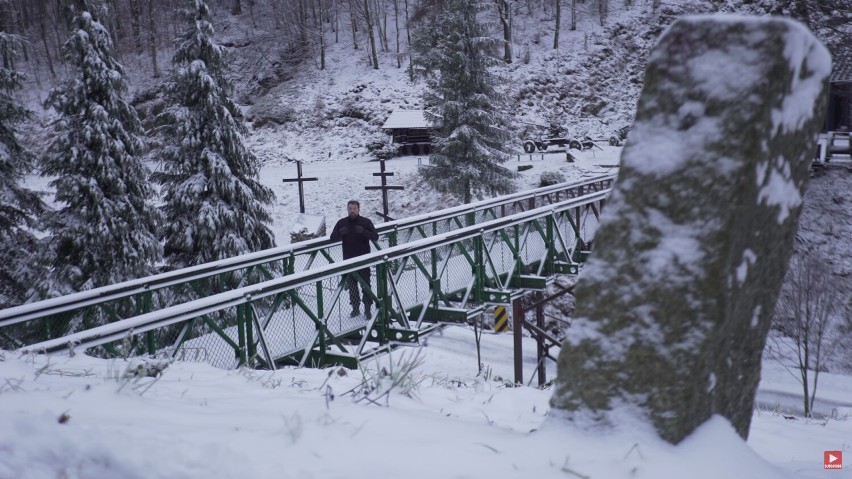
(603, 9)
(236, 7)
(804, 371)
(8, 61)
(135, 13)
(42, 26)
(373, 55)
(385, 28)
(152, 38)
(336, 22)
(322, 15)
(354, 24)
(408, 38)
(558, 22)
(276, 15)
(505, 11)
(573, 15)
(396, 25)
(407, 26)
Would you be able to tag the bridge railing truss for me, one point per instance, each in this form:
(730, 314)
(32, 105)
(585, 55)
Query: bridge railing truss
(58, 317)
(303, 318)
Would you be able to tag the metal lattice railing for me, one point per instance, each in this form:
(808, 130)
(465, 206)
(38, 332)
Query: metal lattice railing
(58, 317)
(304, 318)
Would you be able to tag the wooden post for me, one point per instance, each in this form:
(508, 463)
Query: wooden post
(301, 182)
(540, 351)
(517, 319)
(384, 187)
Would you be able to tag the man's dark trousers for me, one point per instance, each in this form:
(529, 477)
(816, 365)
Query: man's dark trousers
(354, 300)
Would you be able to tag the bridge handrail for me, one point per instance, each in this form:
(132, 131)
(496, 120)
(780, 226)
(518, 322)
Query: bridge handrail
(29, 311)
(174, 314)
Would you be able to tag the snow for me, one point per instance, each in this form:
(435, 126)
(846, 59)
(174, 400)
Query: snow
(406, 119)
(342, 180)
(749, 258)
(282, 424)
(777, 187)
(285, 423)
(811, 65)
(307, 223)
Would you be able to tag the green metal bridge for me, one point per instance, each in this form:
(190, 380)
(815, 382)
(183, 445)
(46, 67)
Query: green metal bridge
(283, 306)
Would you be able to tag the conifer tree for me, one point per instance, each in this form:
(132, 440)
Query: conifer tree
(462, 102)
(104, 229)
(19, 207)
(214, 204)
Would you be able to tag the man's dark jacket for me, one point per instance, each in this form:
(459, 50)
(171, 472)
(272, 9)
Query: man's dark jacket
(354, 243)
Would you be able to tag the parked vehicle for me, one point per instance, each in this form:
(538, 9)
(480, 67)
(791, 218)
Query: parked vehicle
(619, 136)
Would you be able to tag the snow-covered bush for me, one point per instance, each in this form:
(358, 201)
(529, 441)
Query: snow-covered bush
(380, 146)
(551, 178)
(270, 110)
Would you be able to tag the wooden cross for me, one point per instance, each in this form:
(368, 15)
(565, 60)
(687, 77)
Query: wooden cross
(301, 185)
(385, 187)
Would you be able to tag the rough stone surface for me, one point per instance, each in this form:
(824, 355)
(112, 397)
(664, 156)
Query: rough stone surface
(674, 306)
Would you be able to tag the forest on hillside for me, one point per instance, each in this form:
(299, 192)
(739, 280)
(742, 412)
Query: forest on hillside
(281, 35)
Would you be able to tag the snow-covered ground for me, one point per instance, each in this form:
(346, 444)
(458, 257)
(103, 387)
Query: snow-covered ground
(79, 417)
(340, 181)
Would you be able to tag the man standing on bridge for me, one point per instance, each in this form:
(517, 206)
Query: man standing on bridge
(355, 233)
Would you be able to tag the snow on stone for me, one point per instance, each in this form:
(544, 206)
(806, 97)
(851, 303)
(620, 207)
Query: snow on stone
(749, 258)
(679, 244)
(777, 187)
(755, 316)
(811, 64)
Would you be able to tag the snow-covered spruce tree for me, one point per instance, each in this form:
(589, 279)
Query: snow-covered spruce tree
(19, 207)
(214, 204)
(462, 102)
(104, 229)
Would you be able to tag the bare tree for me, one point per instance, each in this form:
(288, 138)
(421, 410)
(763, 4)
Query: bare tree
(558, 4)
(152, 38)
(573, 15)
(135, 14)
(505, 11)
(372, 38)
(806, 314)
(321, 34)
(396, 25)
(353, 23)
(42, 29)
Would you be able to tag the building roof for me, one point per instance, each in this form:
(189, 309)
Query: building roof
(841, 71)
(406, 119)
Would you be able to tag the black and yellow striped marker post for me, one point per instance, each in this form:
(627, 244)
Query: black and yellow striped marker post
(501, 319)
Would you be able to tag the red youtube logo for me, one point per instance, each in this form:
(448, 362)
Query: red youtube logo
(832, 460)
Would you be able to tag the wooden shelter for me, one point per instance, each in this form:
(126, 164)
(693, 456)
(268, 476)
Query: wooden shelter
(410, 130)
(839, 114)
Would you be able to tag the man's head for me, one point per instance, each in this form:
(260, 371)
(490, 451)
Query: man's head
(354, 208)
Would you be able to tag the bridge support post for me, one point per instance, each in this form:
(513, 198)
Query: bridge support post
(517, 321)
(241, 335)
(540, 350)
(383, 304)
(479, 269)
(551, 246)
(251, 354)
